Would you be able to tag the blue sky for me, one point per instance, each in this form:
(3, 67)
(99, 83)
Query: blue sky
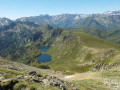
(22, 8)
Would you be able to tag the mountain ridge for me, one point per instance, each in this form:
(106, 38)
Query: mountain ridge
(105, 21)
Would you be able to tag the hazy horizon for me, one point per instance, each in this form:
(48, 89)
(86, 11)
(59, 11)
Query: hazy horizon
(25, 8)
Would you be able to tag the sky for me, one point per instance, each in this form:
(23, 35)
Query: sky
(23, 8)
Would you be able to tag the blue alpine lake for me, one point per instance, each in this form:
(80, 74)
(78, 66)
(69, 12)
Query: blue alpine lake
(44, 49)
(43, 58)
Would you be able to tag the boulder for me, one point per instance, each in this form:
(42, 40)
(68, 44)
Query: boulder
(32, 73)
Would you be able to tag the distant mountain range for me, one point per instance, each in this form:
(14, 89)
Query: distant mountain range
(107, 21)
(5, 21)
(112, 12)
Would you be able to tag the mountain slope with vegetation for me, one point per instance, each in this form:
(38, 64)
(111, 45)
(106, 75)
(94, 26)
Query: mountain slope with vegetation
(100, 21)
(78, 51)
(90, 22)
(17, 76)
(22, 42)
(73, 53)
(109, 35)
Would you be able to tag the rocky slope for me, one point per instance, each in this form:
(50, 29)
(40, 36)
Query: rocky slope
(63, 20)
(107, 21)
(5, 21)
(17, 76)
(12, 73)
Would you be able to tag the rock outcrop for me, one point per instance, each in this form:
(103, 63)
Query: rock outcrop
(8, 84)
(103, 66)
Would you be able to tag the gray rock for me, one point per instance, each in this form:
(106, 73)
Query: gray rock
(46, 82)
(32, 73)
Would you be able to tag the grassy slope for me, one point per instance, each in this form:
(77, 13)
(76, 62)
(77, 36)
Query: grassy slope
(22, 84)
(83, 81)
(71, 49)
(90, 23)
(109, 35)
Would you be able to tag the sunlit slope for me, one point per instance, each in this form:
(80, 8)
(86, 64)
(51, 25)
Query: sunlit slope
(79, 52)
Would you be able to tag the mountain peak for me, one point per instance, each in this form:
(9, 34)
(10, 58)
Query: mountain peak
(5, 21)
(113, 12)
(48, 27)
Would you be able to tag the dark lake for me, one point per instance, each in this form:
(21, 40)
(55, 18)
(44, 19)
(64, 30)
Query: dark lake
(44, 49)
(43, 58)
